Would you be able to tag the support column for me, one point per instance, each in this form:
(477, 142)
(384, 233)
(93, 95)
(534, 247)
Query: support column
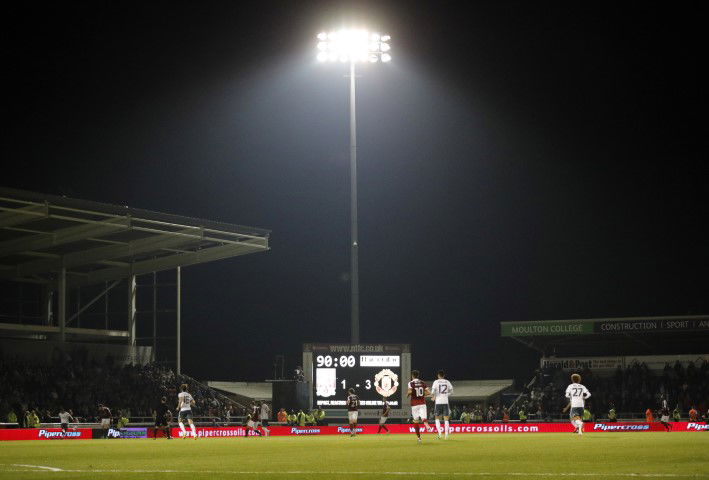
(131, 309)
(155, 316)
(47, 296)
(179, 315)
(62, 304)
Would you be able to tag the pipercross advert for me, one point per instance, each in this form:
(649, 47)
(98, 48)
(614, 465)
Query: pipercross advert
(456, 428)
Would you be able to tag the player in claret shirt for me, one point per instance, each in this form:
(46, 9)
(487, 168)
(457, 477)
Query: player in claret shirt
(386, 410)
(352, 411)
(418, 391)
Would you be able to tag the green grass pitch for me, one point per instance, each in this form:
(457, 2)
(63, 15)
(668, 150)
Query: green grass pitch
(491, 456)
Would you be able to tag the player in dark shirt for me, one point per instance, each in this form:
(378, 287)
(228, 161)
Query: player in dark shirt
(352, 411)
(104, 413)
(665, 416)
(163, 415)
(254, 416)
(386, 409)
(418, 391)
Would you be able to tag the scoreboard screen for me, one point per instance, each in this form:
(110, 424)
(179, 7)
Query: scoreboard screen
(373, 371)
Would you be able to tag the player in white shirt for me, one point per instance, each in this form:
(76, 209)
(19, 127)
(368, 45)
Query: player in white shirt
(577, 395)
(185, 402)
(64, 418)
(440, 390)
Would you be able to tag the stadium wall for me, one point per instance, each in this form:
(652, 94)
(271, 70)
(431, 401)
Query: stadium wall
(48, 351)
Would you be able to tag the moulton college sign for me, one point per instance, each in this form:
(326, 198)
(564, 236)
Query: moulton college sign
(604, 326)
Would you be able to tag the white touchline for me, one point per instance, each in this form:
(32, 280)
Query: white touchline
(312, 472)
(41, 467)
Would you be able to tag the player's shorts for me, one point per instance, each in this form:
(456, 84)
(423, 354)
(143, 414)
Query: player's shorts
(161, 423)
(352, 416)
(264, 423)
(383, 420)
(252, 423)
(665, 418)
(418, 412)
(576, 412)
(64, 426)
(442, 410)
(105, 423)
(185, 415)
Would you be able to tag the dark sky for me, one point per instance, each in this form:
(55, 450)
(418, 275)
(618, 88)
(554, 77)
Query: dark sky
(517, 161)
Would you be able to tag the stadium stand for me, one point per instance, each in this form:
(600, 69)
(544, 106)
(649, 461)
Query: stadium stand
(630, 390)
(131, 389)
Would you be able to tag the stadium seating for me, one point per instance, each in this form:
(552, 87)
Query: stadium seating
(631, 390)
(134, 390)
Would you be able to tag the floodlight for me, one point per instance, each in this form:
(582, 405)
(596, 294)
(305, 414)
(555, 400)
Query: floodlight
(386, 38)
(386, 57)
(353, 45)
(322, 57)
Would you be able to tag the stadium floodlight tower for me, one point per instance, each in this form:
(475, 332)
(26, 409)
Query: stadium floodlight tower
(353, 46)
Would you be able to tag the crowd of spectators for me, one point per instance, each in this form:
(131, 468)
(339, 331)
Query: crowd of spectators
(633, 390)
(80, 386)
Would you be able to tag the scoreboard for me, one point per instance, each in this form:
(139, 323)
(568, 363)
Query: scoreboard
(373, 371)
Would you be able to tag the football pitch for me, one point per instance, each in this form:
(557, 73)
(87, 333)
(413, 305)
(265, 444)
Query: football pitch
(489, 456)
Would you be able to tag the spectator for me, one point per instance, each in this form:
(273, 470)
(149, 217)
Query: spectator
(612, 415)
(320, 416)
(490, 414)
(586, 415)
(693, 414)
(455, 414)
(505, 415)
(648, 416)
(292, 418)
(122, 420)
(32, 419)
(465, 415)
(282, 416)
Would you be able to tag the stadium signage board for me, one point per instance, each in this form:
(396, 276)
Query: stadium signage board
(374, 371)
(456, 428)
(122, 433)
(652, 362)
(44, 434)
(604, 327)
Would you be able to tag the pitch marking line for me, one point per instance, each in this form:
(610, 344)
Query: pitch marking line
(42, 468)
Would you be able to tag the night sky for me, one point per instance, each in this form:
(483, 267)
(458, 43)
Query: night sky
(517, 161)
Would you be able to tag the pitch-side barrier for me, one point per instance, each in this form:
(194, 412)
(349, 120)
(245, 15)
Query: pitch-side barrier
(225, 432)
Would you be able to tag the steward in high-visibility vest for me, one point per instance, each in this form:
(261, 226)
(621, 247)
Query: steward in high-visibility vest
(612, 416)
(292, 418)
(32, 419)
(676, 416)
(522, 416)
(586, 415)
(301, 418)
(320, 417)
